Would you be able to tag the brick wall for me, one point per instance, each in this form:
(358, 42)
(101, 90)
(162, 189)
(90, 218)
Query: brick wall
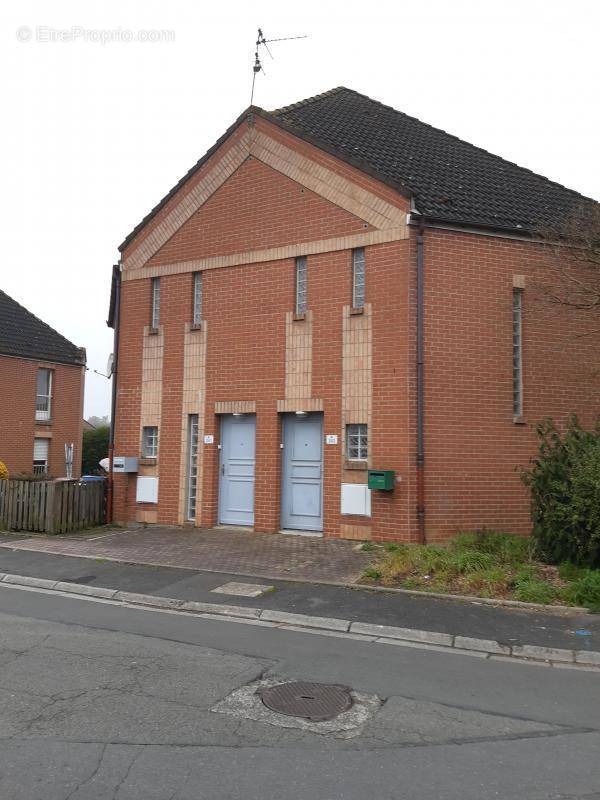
(473, 446)
(18, 426)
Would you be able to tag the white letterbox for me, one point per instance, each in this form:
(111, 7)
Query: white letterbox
(147, 489)
(356, 499)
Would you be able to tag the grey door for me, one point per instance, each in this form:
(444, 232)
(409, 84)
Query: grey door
(302, 473)
(236, 473)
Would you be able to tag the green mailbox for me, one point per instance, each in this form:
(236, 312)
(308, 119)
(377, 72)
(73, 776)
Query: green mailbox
(381, 479)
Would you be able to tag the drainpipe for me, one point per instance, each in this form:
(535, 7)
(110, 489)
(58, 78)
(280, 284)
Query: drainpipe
(113, 404)
(420, 387)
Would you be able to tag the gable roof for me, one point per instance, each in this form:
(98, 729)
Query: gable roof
(23, 335)
(449, 180)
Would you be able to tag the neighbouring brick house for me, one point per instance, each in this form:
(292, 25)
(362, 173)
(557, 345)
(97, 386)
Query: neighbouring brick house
(41, 394)
(337, 287)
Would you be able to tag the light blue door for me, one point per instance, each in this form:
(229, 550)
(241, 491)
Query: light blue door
(236, 481)
(302, 473)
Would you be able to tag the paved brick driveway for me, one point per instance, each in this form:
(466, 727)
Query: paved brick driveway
(275, 556)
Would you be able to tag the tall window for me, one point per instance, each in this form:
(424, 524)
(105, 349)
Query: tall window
(40, 456)
(43, 402)
(517, 325)
(197, 299)
(150, 442)
(357, 443)
(155, 319)
(301, 285)
(358, 277)
(192, 482)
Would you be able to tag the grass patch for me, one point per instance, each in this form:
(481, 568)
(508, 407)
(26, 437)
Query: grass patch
(484, 564)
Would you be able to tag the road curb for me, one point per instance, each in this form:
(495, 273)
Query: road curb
(369, 587)
(369, 632)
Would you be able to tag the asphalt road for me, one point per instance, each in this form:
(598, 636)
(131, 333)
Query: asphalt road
(101, 702)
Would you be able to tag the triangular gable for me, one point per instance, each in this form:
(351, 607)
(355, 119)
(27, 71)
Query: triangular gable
(257, 208)
(378, 220)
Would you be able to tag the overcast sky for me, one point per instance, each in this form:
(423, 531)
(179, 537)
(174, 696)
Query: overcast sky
(95, 132)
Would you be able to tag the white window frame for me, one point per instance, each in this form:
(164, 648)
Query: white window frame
(197, 299)
(357, 441)
(40, 465)
(155, 315)
(301, 284)
(150, 441)
(43, 402)
(517, 352)
(358, 277)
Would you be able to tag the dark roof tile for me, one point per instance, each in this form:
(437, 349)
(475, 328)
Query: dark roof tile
(23, 335)
(449, 179)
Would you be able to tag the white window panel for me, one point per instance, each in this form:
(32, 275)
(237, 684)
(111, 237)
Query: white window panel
(43, 401)
(358, 277)
(517, 364)
(192, 483)
(40, 456)
(197, 309)
(357, 442)
(149, 442)
(155, 322)
(301, 284)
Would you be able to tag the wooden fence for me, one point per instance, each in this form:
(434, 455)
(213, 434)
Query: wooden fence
(51, 506)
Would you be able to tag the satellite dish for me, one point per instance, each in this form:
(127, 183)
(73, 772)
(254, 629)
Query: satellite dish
(110, 365)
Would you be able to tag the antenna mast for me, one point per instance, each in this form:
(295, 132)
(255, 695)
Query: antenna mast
(261, 41)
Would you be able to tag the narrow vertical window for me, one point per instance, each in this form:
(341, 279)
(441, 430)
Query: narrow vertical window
(357, 442)
(43, 400)
(197, 299)
(517, 325)
(192, 476)
(150, 442)
(301, 285)
(358, 277)
(40, 456)
(155, 321)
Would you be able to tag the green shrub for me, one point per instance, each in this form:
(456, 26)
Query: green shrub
(533, 590)
(585, 590)
(505, 548)
(372, 573)
(570, 572)
(565, 493)
(3, 471)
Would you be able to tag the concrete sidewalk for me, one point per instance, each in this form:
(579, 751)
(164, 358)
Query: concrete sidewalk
(468, 619)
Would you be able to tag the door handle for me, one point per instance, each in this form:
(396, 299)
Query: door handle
(222, 469)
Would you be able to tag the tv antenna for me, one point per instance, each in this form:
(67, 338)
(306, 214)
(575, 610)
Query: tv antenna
(261, 41)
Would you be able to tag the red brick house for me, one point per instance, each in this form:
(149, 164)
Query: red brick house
(337, 287)
(41, 394)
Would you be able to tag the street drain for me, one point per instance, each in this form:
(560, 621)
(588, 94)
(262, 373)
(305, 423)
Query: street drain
(316, 702)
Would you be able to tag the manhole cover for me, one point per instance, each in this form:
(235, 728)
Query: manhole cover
(316, 702)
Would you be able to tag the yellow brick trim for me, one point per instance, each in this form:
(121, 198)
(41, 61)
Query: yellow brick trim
(189, 204)
(235, 407)
(327, 184)
(194, 400)
(271, 254)
(306, 404)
